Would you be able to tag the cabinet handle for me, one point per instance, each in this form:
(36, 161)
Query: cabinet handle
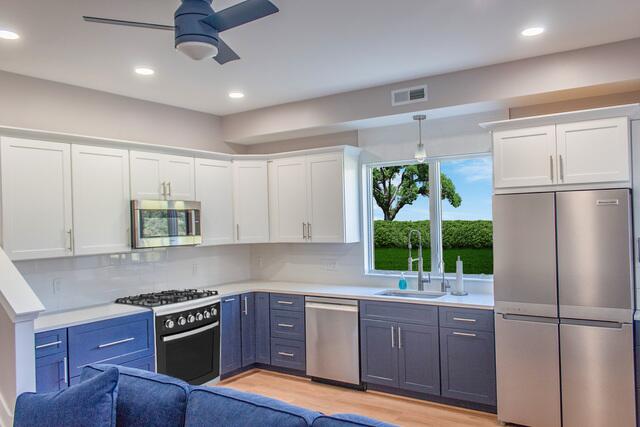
(304, 231)
(164, 189)
(282, 353)
(70, 234)
(66, 370)
(246, 310)
(285, 302)
(237, 231)
(393, 341)
(51, 344)
(551, 167)
(169, 187)
(464, 334)
(462, 319)
(229, 300)
(111, 344)
(399, 337)
(561, 168)
(309, 230)
(284, 325)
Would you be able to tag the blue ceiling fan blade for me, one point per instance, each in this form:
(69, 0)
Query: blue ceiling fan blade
(225, 53)
(241, 13)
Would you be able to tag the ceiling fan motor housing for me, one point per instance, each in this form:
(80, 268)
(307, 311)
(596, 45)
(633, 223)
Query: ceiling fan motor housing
(190, 26)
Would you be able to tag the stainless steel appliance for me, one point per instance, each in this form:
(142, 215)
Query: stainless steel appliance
(332, 339)
(564, 308)
(160, 223)
(187, 330)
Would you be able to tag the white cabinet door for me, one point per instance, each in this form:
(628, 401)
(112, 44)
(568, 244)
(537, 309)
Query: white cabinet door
(214, 189)
(325, 183)
(525, 157)
(147, 176)
(594, 151)
(251, 201)
(36, 199)
(288, 193)
(101, 201)
(178, 173)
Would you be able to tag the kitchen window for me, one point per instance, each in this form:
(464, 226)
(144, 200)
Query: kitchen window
(447, 199)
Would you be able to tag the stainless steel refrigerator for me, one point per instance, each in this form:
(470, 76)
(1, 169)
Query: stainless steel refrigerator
(563, 277)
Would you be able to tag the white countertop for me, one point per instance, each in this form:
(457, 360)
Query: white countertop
(45, 321)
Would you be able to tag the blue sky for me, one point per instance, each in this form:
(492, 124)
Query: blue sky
(472, 178)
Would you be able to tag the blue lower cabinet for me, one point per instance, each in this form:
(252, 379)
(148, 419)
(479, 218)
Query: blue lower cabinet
(116, 341)
(146, 364)
(468, 366)
(289, 354)
(248, 325)
(378, 352)
(419, 358)
(263, 328)
(230, 335)
(51, 373)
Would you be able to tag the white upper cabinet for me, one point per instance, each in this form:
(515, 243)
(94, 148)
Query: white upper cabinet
(314, 198)
(251, 201)
(288, 199)
(161, 177)
(101, 201)
(581, 154)
(525, 157)
(594, 151)
(36, 199)
(214, 189)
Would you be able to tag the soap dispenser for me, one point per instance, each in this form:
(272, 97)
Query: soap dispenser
(402, 283)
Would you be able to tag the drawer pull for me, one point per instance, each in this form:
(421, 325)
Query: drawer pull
(284, 325)
(111, 344)
(229, 300)
(462, 319)
(51, 344)
(464, 334)
(66, 371)
(285, 302)
(282, 353)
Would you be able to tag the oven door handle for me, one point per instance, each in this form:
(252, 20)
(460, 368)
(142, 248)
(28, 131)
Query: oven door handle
(189, 333)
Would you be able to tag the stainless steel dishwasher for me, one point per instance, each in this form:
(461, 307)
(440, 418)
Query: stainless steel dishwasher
(333, 340)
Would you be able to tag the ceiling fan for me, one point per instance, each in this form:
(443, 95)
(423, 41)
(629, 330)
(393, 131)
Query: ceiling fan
(197, 26)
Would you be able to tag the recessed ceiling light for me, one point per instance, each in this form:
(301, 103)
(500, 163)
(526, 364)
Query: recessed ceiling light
(145, 71)
(236, 95)
(9, 35)
(532, 31)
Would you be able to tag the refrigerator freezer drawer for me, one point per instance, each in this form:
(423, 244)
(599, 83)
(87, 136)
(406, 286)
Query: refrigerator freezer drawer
(528, 371)
(597, 375)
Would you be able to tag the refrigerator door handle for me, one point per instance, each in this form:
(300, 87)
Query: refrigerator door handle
(525, 318)
(592, 323)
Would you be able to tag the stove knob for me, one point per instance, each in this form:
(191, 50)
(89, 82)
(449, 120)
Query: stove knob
(199, 316)
(207, 314)
(191, 318)
(169, 324)
(182, 321)
(214, 312)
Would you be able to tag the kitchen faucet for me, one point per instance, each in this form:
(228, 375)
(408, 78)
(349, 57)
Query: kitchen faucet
(421, 279)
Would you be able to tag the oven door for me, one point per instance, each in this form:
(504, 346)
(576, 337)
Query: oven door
(160, 223)
(192, 356)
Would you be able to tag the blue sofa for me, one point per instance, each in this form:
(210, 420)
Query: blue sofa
(148, 399)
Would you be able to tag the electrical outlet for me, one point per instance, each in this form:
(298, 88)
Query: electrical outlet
(195, 269)
(56, 284)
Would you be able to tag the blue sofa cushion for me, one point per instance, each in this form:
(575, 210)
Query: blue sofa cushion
(218, 406)
(90, 404)
(146, 398)
(348, 420)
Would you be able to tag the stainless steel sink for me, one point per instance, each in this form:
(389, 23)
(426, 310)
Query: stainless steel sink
(411, 294)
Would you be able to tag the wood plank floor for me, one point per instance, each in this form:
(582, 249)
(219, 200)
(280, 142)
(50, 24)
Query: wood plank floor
(331, 400)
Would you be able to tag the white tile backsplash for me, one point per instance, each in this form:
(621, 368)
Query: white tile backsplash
(67, 283)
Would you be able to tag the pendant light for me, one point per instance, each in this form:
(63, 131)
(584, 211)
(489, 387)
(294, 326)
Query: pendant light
(421, 152)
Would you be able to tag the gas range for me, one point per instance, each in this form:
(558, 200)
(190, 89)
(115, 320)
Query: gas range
(156, 299)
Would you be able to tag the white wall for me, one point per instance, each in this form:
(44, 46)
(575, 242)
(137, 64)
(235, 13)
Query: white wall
(67, 283)
(344, 264)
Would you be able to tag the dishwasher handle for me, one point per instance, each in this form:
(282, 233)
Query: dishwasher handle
(333, 307)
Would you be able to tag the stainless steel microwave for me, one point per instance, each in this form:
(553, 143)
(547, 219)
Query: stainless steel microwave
(162, 223)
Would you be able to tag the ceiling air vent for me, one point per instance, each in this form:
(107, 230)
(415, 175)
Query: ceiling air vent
(409, 96)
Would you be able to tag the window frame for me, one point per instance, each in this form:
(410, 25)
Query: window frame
(435, 217)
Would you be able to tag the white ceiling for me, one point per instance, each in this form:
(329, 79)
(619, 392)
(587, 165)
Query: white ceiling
(311, 48)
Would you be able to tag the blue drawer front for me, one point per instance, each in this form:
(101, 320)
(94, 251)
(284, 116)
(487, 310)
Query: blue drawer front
(146, 364)
(288, 354)
(51, 342)
(287, 302)
(400, 312)
(114, 341)
(466, 318)
(51, 373)
(287, 324)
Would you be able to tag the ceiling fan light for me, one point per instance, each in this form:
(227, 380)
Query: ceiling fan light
(198, 50)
